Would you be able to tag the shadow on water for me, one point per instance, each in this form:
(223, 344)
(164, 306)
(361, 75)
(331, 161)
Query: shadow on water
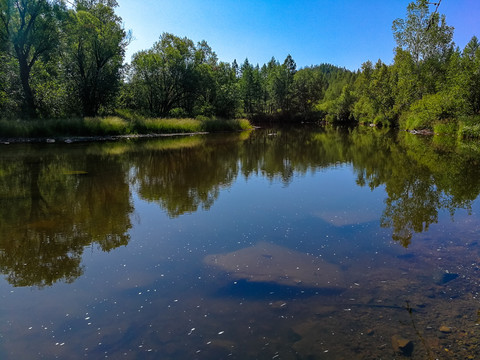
(270, 291)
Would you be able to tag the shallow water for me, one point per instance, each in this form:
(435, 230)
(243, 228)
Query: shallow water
(106, 249)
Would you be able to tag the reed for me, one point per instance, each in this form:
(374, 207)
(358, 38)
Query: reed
(121, 124)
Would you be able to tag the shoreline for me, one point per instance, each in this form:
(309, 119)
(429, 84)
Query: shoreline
(83, 139)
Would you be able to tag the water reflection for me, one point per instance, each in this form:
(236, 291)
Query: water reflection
(54, 203)
(182, 179)
(57, 200)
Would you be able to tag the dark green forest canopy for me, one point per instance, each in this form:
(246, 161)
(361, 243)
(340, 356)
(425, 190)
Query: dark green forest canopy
(61, 59)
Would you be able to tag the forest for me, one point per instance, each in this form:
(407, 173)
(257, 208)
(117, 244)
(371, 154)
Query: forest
(67, 59)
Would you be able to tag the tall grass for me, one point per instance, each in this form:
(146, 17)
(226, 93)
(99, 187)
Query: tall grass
(123, 123)
(469, 128)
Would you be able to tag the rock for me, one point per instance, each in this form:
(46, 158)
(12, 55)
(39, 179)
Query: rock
(270, 263)
(402, 345)
(445, 329)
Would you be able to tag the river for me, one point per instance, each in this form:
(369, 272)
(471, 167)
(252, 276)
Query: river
(298, 243)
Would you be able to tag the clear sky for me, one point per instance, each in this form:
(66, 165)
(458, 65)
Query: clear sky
(343, 33)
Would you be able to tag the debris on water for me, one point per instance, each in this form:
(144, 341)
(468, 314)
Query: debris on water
(278, 305)
(221, 332)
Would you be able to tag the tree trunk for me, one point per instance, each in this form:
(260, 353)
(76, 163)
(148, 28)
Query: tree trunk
(30, 108)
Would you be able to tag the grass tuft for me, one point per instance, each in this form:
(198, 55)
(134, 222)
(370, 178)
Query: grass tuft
(123, 123)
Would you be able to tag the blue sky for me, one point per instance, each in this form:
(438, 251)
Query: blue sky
(342, 33)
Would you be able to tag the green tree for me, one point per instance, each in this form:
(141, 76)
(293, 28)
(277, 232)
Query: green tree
(290, 68)
(363, 110)
(167, 74)
(250, 88)
(29, 32)
(227, 99)
(471, 60)
(406, 86)
(381, 92)
(422, 34)
(308, 86)
(96, 48)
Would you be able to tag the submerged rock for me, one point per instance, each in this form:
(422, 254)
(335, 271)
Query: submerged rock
(266, 262)
(402, 345)
(445, 329)
(443, 278)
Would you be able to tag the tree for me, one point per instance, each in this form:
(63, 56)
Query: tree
(381, 92)
(308, 86)
(290, 69)
(471, 60)
(29, 31)
(227, 95)
(175, 76)
(250, 88)
(423, 35)
(406, 87)
(96, 48)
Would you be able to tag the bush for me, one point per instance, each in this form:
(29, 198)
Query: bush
(444, 128)
(363, 111)
(177, 113)
(440, 107)
(469, 128)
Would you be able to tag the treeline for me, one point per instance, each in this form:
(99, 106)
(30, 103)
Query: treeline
(59, 60)
(176, 78)
(431, 84)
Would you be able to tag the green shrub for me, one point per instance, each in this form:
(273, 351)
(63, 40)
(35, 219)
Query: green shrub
(178, 113)
(424, 113)
(363, 111)
(469, 128)
(448, 127)
(215, 125)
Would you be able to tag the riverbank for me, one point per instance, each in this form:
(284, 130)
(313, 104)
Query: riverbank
(110, 128)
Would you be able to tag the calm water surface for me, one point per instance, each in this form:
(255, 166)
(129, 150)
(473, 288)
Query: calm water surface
(275, 244)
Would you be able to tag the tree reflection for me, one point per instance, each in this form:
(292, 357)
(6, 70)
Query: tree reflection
(420, 180)
(50, 212)
(183, 179)
(54, 202)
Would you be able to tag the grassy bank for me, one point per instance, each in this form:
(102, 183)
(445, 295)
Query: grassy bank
(120, 124)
